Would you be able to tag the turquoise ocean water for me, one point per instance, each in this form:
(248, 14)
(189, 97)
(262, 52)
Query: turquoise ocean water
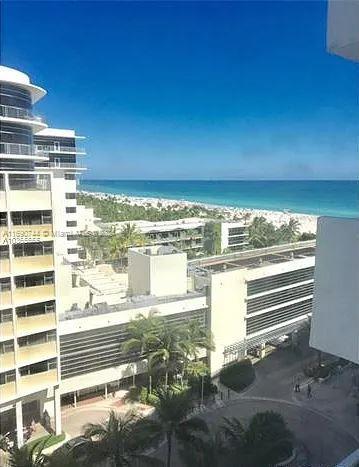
(333, 198)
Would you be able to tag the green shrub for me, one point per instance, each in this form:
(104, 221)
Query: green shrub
(238, 375)
(51, 440)
(147, 398)
(195, 384)
(133, 394)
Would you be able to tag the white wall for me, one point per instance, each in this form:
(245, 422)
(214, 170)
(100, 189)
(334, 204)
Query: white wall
(156, 274)
(343, 28)
(335, 321)
(228, 291)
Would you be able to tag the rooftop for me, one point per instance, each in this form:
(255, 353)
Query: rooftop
(139, 301)
(17, 78)
(254, 258)
(162, 226)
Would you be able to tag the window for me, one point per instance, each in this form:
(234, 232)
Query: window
(5, 316)
(38, 367)
(70, 177)
(33, 280)
(3, 219)
(71, 210)
(31, 217)
(7, 377)
(70, 195)
(71, 223)
(5, 284)
(7, 346)
(4, 252)
(71, 238)
(36, 339)
(35, 309)
(72, 251)
(33, 249)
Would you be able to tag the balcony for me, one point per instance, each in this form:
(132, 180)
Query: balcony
(46, 149)
(7, 361)
(7, 391)
(4, 267)
(29, 199)
(5, 299)
(27, 233)
(32, 383)
(2, 200)
(13, 114)
(36, 353)
(37, 323)
(6, 331)
(61, 165)
(37, 293)
(29, 264)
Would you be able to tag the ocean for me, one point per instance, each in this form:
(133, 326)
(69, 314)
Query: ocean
(333, 198)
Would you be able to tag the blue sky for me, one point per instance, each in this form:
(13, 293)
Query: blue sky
(192, 90)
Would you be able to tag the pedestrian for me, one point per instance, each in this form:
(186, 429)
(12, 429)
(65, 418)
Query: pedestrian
(309, 391)
(297, 384)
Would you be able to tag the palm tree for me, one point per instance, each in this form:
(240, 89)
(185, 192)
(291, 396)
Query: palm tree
(172, 420)
(166, 351)
(194, 338)
(34, 456)
(261, 233)
(207, 452)
(289, 232)
(142, 336)
(121, 438)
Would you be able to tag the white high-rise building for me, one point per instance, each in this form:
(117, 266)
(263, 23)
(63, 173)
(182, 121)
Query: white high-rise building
(34, 281)
(62, 150)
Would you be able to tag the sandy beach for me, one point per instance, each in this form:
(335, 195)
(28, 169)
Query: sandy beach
(307, 222)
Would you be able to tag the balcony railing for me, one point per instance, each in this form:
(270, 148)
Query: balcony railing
(7, 391)
(26, 264)
(30, 383)
(18, 112)
(37, 293)
(15, 148)
(7, 361)
(5, 298)
(36, 353)
(6, 330)
(61, 165)
(42, 148)
(37, 323)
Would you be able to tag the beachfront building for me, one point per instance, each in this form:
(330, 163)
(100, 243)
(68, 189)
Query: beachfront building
(186, 234)
(245, 299)
(255, 297)
(335, 322)
(34, 282)
(29, 361)
(234, 236)
(62, 153)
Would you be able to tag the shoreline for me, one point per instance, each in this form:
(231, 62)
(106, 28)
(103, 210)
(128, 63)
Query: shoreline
(307, 222)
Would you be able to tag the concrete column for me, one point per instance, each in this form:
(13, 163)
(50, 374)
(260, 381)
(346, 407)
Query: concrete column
(19, 424)
(57, 410)
(75, 399)
(263, 350)
(105, 391)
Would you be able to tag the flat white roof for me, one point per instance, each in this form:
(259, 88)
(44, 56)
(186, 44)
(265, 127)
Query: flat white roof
(59, 132)
(18, 78)
(163, 226)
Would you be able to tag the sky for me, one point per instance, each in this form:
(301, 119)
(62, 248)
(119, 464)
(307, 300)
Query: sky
(191, 90)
